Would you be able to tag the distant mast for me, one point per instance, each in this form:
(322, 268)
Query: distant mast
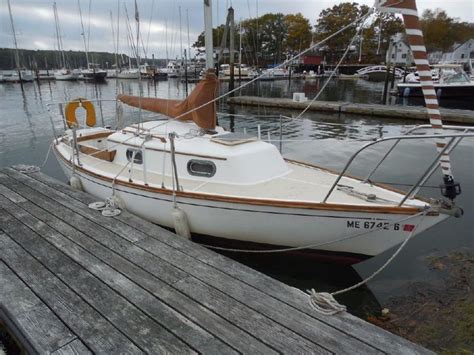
(208, 34)
(17, 55)
(83, 34)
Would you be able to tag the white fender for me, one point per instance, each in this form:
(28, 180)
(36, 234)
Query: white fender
(180, 222)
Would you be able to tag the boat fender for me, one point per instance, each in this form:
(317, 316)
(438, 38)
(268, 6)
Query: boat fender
(70, 112)
(406, 92)
(75, 183)
(180, 222)
(456, 212)
(439, 92)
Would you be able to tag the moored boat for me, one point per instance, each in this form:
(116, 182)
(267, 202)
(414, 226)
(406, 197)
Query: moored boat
(235, 186)
(183, 171)
(452, 82)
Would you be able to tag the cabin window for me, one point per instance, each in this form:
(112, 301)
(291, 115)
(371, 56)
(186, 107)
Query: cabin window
(138, 156)
(205, 168)
(471, 55)
(404, 56)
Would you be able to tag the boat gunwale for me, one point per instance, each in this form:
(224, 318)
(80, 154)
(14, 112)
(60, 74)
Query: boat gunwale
(255, 201)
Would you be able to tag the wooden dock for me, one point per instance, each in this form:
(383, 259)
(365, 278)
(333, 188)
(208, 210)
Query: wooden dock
(75, 282)
(338, 107)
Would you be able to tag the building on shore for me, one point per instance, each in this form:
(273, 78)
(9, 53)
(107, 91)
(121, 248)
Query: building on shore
(401, 54)
(460, 53)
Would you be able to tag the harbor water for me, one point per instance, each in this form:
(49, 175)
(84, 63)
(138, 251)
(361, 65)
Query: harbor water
(327, 140)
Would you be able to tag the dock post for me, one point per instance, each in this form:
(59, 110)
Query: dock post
(231, 49)
(281, 133)
(388, 61)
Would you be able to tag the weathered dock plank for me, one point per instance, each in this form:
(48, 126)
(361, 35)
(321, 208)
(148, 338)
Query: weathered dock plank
(23, 309)
(293, 297)
(154, 291)
(376, 110)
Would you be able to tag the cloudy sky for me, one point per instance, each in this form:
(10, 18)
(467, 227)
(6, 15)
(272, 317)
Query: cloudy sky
(34, 20)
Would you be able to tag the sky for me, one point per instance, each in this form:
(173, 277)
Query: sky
(159, 20)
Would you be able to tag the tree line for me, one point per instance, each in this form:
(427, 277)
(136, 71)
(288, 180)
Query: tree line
(272, 37)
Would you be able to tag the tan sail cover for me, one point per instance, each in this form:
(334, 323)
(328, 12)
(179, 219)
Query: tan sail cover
(205, 91)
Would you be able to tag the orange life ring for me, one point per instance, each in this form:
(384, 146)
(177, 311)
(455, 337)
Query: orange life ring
(70, 112)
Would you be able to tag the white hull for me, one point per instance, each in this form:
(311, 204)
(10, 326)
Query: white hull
(128, 75)
(66, 77)
(283, 226)
(14, 78)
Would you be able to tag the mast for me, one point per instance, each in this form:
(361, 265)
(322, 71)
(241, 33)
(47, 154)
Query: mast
(83, 33)
(113, 39)
(58, 36)
(408, 9)
(118, 35)
(180, 37)
(208, 33)
(17, 54)
(231, 47)
(240, 50)
(189, 41)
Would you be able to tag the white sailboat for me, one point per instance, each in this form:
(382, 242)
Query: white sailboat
(187, 172)
(21, 75)
(64, 74)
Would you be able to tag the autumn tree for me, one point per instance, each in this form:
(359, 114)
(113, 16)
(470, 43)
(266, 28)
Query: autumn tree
(441, 32)
(333, 19)
(299, 33)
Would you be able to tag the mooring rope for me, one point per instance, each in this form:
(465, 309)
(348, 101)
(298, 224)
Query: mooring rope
(325, 303)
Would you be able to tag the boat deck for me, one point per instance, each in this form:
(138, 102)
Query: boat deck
(304, 183)
(73, 281)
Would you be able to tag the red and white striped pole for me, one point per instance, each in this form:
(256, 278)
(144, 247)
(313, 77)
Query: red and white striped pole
(408, 9)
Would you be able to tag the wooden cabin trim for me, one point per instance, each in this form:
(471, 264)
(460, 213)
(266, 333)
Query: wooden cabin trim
(93, 136)
(97, 153)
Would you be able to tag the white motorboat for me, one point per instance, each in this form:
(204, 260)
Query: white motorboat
(378, 72)
(311, 75)
(13, 77)
(112, 73)
(67, 75)
(452, 82)
(173, 69)
(244, 71)
(132, 73)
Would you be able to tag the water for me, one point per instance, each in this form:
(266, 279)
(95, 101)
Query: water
(26, 132)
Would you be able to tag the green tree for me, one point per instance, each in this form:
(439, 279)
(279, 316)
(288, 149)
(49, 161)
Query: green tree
(299, 33)
(272, 36)
(333, 19)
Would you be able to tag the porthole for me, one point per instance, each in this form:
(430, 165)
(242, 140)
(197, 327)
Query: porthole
(205, 168)
(138, 156)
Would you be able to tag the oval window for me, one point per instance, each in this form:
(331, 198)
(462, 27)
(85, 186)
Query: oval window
(204, 168)
(138, 156)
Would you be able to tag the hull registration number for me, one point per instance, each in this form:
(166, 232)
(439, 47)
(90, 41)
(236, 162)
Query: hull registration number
(373, 225)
